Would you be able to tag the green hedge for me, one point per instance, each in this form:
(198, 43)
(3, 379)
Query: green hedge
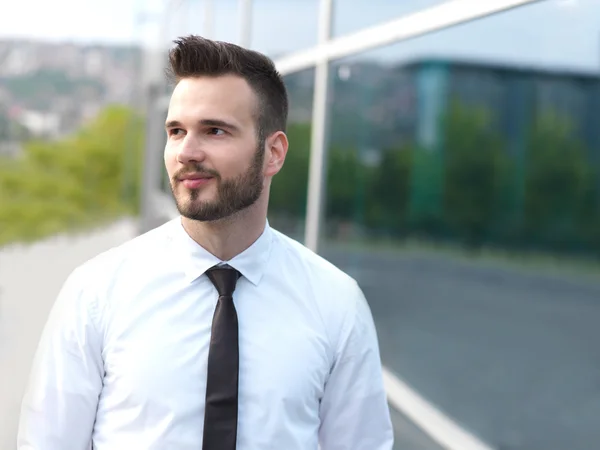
(540, 193)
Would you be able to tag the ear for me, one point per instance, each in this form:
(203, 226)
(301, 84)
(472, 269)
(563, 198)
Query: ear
(276, 147)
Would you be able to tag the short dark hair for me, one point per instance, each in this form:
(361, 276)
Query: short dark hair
(195, 56)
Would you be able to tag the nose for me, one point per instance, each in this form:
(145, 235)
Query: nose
(190, 150)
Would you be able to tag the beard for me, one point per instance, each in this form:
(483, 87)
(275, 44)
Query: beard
(233, 195)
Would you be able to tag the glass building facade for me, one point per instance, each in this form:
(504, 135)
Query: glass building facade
(447, 156)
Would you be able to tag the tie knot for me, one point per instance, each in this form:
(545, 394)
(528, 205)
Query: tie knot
(224, 279)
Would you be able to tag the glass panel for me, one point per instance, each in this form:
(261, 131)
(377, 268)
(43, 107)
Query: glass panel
(226, 20)
(189, 17)
(280, 27)
(287, 207)
(271, 31)
(353, 15)
(463, 193)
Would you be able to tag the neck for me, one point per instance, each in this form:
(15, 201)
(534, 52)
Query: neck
(229, 237)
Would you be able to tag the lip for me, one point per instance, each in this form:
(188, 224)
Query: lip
(195, 181)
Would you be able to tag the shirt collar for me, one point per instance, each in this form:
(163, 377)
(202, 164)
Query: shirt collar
(196, 260)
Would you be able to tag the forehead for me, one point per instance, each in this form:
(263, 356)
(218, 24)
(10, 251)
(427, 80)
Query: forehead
(226, 97)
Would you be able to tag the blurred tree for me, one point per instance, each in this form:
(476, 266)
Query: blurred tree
(388, 191)
(74, 182)
(38, 89)
(289, 186)
(11, 130)
(475, 168)
(5, 132)
(343, 178)
(589, 216)
(559, 187)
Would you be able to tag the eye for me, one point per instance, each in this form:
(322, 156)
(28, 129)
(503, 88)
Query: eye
(216, 131)
(175, 131)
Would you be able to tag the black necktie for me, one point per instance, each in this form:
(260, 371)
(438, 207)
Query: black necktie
(220, 416)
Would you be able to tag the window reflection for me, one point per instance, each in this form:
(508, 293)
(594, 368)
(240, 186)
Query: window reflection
(463, 193)
(287, 207)
(280, 27)
(354, 15)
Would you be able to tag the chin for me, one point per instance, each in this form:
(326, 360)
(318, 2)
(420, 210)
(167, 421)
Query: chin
(188, 206)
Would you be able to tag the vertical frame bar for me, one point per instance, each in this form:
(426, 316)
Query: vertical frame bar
(317, 168)
(245, 8)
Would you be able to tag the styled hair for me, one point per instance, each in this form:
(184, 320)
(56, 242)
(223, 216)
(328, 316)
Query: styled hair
(195, 56)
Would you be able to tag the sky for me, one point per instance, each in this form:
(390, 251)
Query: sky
(558, 33)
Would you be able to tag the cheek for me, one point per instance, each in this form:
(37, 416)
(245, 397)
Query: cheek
(170, 159)
(231, 162)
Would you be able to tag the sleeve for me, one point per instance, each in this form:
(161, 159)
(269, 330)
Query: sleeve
(354, 410)
(59, 406)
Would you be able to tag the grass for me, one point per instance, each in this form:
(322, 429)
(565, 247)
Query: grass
(531, 262)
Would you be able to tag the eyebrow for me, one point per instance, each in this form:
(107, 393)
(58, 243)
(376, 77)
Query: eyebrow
(206, 122)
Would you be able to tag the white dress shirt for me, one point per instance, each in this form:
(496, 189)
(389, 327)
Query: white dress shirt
(122, 361)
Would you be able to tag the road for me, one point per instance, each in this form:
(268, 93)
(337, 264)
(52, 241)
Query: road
(513, 357)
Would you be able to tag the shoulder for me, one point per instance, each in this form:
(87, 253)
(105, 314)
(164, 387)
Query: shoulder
(138, 248)
(334, 293)
(97, 274)
(314, 269)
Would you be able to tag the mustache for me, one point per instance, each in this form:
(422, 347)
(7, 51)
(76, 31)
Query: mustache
(196, 169)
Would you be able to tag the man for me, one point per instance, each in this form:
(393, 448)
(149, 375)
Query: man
(213, 331)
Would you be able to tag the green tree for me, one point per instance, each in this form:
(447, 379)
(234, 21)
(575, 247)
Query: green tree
(345, 179)
(75, 182)
(289, 186)
(476, 167)
(559, 185)
(389, 190)
(41, 87)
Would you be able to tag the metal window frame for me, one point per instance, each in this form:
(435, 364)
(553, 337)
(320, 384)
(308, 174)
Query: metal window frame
(245, 14)
(422, 22)
(320, 121)
(327, 49)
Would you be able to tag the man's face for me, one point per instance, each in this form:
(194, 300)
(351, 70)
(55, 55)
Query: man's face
(213, 157)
